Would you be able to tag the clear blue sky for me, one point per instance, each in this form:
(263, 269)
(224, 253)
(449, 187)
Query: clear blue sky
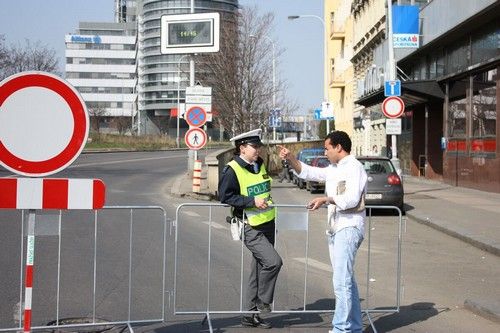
(301, 65)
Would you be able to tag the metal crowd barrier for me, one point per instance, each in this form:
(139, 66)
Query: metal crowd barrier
(91, 319)
(304, 225)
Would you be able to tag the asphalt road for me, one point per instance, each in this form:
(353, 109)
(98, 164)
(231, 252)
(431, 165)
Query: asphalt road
(438, 272)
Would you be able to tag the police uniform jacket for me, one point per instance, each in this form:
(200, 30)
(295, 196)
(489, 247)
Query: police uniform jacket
(229, 188)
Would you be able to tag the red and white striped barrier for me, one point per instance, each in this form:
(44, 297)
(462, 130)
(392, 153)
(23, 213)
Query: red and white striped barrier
(197, 176)
(51, 193)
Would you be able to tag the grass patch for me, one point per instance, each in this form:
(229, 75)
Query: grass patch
(143, 142)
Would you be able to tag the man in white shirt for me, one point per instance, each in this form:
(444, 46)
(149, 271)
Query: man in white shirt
(345, 185)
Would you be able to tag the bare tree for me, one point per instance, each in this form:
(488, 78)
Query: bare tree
(241, 73)
(27, 57)
(3, 56)
(122, 124)
(96, 115)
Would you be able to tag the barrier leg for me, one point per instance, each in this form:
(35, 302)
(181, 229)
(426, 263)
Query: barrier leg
(206, 319)
(30, 255)
(371, 322)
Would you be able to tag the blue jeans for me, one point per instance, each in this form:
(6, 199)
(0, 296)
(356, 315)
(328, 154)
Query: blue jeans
(343, 246)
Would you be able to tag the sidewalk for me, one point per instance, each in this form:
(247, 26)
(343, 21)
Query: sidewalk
(470, 215)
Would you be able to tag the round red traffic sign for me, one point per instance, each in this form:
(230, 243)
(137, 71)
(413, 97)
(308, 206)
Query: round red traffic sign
(44, 124)
(195, 138)
(196, 116)
(393, 107)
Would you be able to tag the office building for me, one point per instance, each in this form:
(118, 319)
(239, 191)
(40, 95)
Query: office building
(119, 69)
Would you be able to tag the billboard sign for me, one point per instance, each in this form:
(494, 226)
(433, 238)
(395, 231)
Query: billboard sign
(190, 33)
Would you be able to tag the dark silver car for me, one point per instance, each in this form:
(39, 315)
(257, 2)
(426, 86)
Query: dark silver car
(385, 187)
(320, 162)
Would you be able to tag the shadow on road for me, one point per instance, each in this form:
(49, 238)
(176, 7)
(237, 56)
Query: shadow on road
(407, 315)
(278, 321)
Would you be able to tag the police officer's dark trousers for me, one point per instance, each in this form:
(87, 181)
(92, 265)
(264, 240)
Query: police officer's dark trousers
(265, 266)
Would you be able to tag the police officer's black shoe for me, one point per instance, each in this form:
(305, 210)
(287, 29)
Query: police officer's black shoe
(255, 321)
(263, 307)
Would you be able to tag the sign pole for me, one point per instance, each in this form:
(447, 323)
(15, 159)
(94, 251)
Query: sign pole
(392, 77)
(191, 80)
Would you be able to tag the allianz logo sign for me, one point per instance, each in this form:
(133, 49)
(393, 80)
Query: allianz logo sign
(86, 39)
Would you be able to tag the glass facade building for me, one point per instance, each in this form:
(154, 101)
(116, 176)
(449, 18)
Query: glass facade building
(159, 73)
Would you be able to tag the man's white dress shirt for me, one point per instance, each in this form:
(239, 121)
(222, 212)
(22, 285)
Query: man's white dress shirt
(350, 171)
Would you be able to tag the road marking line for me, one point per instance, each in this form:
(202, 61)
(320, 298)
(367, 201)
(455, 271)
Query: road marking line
(214, 225)
(315, 264)
(190, 213)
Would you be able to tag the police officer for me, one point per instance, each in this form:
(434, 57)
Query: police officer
(246, 186)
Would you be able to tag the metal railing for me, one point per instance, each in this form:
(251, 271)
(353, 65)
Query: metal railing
(91, 319)
(123, 236)
(304, 225)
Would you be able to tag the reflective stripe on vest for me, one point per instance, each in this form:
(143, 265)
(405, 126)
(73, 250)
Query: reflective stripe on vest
(255, 185)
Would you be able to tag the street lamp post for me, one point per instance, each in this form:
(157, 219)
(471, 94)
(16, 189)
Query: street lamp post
(325, 55)
(177, 140)
(274, 77)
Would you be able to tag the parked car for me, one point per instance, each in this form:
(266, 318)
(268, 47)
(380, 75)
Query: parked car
(320, 162)
(306, 155)
(385, 187)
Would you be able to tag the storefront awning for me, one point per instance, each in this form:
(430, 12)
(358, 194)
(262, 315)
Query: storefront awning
(413, 93)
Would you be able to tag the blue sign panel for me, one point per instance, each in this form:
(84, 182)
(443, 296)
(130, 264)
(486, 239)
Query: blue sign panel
(317, 114)
(405, 26)
(274, 122)
(275, 112)
(392, 88)
(196, 117)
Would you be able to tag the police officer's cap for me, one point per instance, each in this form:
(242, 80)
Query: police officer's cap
(252, 137)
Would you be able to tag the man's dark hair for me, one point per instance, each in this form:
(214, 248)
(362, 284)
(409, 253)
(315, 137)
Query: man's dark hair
(342, 138)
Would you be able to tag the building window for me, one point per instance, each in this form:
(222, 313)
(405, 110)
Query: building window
(485, 44)
(332, 69)
(458, 57)
(484, 112)
(332, 21)
(457, 108)
(342, 96)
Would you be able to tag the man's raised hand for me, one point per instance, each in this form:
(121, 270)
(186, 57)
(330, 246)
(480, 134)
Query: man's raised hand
(284, 152)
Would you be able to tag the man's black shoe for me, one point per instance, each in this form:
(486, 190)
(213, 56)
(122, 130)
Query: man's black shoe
(264, 307)
(255, 321)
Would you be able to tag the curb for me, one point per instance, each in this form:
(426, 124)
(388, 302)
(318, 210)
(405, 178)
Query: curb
(474, 242)
(484, 310)
(177, 192)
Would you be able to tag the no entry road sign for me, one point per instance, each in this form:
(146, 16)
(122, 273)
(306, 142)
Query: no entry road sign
(393, 107)
(43, 124)
(196, 116)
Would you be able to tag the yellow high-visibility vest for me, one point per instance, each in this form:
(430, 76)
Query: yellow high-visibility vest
(255, 185)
